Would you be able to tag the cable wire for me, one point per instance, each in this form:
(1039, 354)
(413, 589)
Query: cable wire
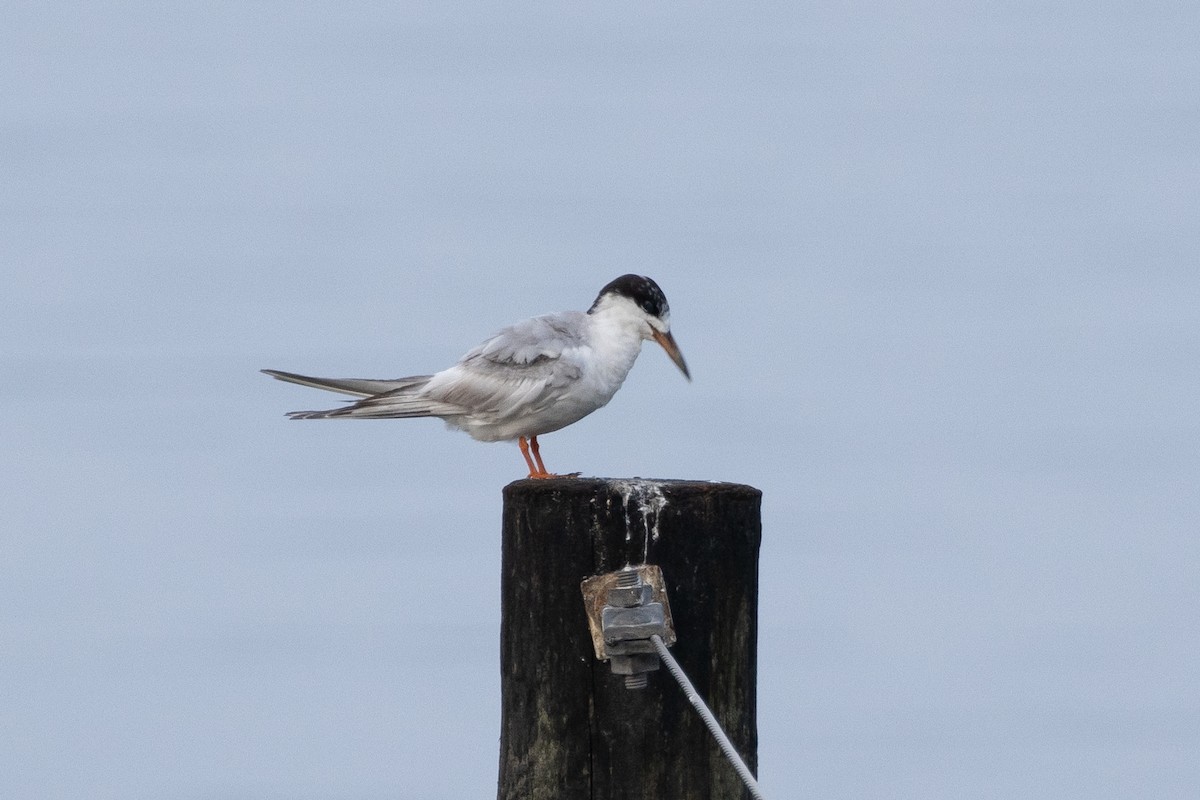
(710, 721)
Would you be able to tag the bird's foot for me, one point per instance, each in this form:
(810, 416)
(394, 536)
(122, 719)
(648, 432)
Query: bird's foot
(533, 460)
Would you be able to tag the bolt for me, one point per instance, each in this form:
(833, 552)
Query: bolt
(628, 578)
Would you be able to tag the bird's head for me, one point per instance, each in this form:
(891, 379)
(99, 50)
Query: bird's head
(639, 300)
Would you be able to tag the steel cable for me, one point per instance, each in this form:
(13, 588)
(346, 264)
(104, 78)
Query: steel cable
(710, 721)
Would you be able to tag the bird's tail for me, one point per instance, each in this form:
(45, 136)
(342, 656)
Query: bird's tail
(381, 399)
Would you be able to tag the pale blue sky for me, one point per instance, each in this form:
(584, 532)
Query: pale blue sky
(935, 268)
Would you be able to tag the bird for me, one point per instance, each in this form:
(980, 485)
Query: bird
(528, 379)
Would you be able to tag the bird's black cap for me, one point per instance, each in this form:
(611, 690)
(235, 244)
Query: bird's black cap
(639, 289)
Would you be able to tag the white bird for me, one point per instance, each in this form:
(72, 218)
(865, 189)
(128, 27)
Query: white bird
(531, 378)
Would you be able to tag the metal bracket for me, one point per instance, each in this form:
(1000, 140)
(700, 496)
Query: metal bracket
(625, 608)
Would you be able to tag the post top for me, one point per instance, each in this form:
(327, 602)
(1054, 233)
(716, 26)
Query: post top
(624, 486)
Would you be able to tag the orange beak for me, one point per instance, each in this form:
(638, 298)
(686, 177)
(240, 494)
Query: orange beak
(668, 343)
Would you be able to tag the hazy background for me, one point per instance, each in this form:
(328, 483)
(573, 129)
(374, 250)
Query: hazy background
(935, 267)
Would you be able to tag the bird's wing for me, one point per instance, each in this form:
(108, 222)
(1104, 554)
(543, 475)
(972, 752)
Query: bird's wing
(359, 387)
(533, 340)
(520, 369)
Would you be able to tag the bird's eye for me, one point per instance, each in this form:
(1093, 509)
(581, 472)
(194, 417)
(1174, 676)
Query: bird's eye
(648, 306)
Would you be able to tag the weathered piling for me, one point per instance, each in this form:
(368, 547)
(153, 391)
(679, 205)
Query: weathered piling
(570, 728)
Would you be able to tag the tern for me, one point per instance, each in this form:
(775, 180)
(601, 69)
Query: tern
(529, 379)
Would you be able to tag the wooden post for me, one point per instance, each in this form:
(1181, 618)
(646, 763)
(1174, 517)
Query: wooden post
(570, 729)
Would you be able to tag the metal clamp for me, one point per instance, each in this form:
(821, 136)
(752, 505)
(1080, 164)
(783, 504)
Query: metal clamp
(625, 609)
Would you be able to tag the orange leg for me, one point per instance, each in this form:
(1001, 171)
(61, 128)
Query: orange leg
(535, 470)
(537, 456)
(533, 459)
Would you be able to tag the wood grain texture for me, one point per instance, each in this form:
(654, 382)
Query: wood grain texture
(570, 729)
